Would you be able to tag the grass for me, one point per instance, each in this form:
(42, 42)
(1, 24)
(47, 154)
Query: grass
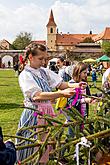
(11, 97)
(93, 107)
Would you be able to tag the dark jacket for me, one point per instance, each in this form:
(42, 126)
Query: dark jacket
(7, 152)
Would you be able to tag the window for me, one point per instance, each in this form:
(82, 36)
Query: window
(51, 30)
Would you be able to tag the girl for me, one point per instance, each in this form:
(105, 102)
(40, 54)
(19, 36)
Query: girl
(36, 84)
(79, 101)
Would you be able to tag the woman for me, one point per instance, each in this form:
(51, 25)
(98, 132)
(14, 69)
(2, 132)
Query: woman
(36, 84)
(63, 71)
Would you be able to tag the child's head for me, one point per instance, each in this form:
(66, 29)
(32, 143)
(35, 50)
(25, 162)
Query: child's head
(60, 62)
(80, 72)
(34, 49)
(36, 53)
(106, 64)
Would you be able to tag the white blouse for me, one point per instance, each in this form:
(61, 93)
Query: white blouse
(106, 76)
(29, 86)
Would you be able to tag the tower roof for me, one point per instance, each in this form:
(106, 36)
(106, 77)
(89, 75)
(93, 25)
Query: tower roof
(51, 20)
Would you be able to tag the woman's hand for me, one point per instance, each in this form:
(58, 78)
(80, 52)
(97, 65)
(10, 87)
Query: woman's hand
(82, 85)
(87, 100)
(68, 92)
(90, 100)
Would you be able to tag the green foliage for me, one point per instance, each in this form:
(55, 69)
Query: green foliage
(11, 100)
(22, 40)
(88, 40)
(55, 135)
(106, 47)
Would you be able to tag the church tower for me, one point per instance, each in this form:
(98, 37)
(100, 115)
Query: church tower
(51, 33)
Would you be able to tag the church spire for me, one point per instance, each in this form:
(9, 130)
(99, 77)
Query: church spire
(51, 20)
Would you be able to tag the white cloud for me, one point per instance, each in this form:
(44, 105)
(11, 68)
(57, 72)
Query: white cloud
(90, 15)
(70, 17)
(29, 18)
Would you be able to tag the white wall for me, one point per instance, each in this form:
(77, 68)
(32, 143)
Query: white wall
(7, 58)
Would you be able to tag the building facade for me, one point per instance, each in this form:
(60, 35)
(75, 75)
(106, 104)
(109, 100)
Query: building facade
(70, 45)
(59, 43)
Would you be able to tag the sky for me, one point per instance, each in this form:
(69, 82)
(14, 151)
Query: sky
(73, 16)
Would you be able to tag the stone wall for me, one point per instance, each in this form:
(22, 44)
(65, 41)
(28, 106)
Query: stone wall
(76, 56)
(81, 56)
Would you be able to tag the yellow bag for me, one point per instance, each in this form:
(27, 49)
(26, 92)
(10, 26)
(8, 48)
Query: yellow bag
(61, 103)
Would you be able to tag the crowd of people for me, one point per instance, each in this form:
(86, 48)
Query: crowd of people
(41, 84)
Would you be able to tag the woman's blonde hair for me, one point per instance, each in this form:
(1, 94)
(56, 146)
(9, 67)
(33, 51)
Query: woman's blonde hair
(77, 70)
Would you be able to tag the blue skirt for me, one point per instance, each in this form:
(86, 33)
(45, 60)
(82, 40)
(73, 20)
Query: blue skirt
(27, 119)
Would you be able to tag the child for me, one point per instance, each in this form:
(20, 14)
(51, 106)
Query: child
(94, 77)
(36, 83)
(79, 101)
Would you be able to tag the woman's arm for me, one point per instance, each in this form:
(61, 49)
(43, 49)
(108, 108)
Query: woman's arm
(53, 95)
(66, 90)
(65, 85)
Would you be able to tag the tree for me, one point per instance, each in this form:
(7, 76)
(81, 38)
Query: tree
(106, 47)
(88, 40)
(22, 40)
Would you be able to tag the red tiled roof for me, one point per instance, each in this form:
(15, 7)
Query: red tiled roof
(104, 35)
(83, 36)
(51, 20)
(66, 39)
(107, 33)
(43, 42)
(71, 39)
